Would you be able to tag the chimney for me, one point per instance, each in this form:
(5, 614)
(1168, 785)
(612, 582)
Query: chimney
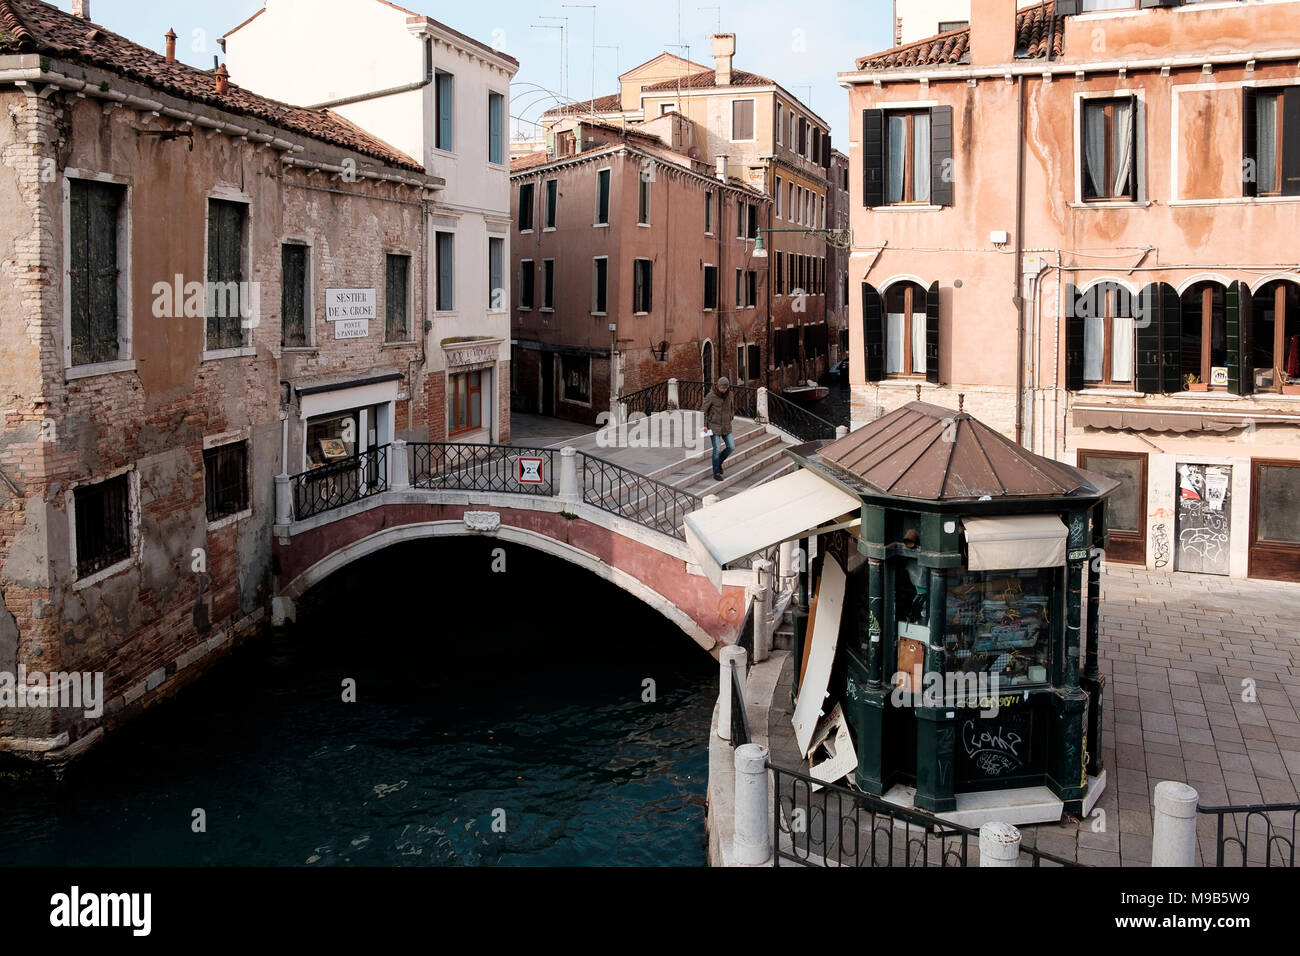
(992, 32)
(81, 8)
(171, 46)
(223, 79)
(724, 48)
(721, 167)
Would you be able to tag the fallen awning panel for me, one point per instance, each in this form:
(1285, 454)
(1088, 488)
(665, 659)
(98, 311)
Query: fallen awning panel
(1014, 542)
(763, 516)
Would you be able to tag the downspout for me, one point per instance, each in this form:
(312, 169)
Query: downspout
(393, 91)
(1018, 298)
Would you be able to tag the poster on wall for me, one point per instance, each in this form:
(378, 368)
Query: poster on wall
(1203, 518)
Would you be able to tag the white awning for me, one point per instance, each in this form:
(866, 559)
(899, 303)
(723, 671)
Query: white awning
(1014, 542)
(763, 516)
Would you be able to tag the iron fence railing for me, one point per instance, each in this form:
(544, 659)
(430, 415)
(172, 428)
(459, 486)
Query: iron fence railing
(820, 824)
(781, 412)
(647, 401)
(739, 719)
(451, 466)
(1260, 838)
(340, 483)
(797, 421)
(615, 489)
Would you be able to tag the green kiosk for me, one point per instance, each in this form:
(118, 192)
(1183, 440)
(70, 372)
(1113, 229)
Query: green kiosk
(967, 660)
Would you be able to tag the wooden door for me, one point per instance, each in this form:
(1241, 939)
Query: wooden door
(1126, 508)
(1202, 518)
(1275, 519)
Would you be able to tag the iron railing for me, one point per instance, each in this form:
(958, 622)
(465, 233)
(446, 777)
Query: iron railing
(648, 401)
(623, 492)
(797, 421)
(821, 824)
(781, 412)
(1272, 845)
(450, 466)
(340, 483)
(739, 719)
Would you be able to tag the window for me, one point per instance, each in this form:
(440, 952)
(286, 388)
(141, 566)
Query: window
(710, 287)
(666, 108)
(496, 128)
(751, 289)
(780, 125)
(752, 231)
(1109, 159)
(226, 279)
(742, 120)
(778, 198)
(1107, 334)
(803, 137)
(293, 296)
(526, 275)
(740, 219)
(643, 201)
(225, 480)
(740, 288)
(708, 214)
(599, 285)
(901, 331)
(1271, 144)
(552, 200)
(1016, 653)
(740, 363)
(602, 197)
(791, 210)
(778, 279)
(794, 125)
(1204, 334)
(548, 284)
(642, 286)
(465, 402)
(575, 370)
(397, 311)
(1089, 6)
(907, 156)
(1276, 335)
(103, 524)
(797, 215)
(907, 143)
(444, 109)
(755, 366)
(95, 216)
(496, 272)
(1275, 519)
(948, 26)
(526, 207)
(446, 285)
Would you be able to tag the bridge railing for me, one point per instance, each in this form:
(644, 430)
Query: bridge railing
(653, 504)
(340, 483)
(780, 412)
(452, 466)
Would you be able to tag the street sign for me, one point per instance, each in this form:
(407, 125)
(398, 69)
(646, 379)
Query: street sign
(530, 471)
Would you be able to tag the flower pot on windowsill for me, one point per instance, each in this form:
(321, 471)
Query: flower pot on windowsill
(1198, 387)
(1291, 389)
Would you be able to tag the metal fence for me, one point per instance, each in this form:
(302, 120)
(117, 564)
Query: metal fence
(739, 719)
(1256, 834)
(630, 495)
(340, 483)
(449, 466)
(781, 412)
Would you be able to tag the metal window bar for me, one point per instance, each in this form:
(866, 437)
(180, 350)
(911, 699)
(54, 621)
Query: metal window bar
(463, 466)
(1271, 846)
(630, 495)
(340, 483)
(103, 524)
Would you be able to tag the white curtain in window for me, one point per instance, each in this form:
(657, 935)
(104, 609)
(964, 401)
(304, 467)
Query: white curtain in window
(918, 342)
(1090, 5)
(1094, 140)
(897, 158)
(894, 343)
(1123, 149)
(921, 158)
(1121, 361)
(1094, 341)
(1266, 148)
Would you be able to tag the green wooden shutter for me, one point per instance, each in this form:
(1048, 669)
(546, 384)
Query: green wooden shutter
(1171, 340)
(495, 102)
(932, 334)
(446, 103)
(225, 273)
(941, 156)
(1067, 8)
(1147, 326)
(93, 271)
(79, 270)
(873, 158)
(873, 332)
(1240, 322)
(395, 305)
(293, 283)
(1074, 340)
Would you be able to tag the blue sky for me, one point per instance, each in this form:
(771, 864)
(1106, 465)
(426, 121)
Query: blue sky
(799, 43)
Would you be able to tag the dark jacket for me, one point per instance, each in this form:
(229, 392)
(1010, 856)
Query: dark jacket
(718, 411)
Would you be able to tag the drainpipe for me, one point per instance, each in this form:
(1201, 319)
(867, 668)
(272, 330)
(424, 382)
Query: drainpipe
(393, 91)
(1018, 298)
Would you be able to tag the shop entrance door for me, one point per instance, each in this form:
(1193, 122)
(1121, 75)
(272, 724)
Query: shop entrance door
(1275, 520)
(1203, 518)
(1126, 509)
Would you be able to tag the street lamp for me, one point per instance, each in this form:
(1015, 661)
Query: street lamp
(839, 238)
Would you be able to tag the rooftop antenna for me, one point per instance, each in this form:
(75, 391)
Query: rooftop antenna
(807, 102)
(617, 67)
(716, 10)
(564, 40)
(687, 48)
(592, 8)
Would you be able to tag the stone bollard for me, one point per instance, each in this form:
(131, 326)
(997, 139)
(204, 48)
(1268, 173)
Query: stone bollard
(569, 489)
(760, 404)
(751, 840)
(841, 431)
(399, 473)
(709, 500)
(999, 845)
(1173, 829)
(763, 582)
(674, 398)
(283, 500)
(729, 654)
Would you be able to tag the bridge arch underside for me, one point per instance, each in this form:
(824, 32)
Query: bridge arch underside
(659, 580)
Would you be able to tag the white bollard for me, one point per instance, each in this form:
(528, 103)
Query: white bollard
(709, 500)
(751, 840)
(1173, 829)
(729, 654)
(999, 845)
(841, 431)
(569, 490)
(283, 500)
(399, 475)
(760, 404)
(674, 398)
(763, 582)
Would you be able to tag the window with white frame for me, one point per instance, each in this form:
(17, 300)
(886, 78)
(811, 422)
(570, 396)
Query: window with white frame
(96, 258)
(1108, 155)
(742, 120)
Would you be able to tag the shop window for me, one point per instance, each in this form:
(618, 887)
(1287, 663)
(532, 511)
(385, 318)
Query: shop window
(103, 524)
(1001, 622)
(465, 405)
(94, 274)
(293, 296)
(1276, 337)
(332, 438)
(397, 306)
(642, 286)
(227, 234)
(576, 373)
(225, 480)
(1109, 149)
(1204, 336)
(907, 157)
(1126, 508)
(526, 203)
(1278, 491)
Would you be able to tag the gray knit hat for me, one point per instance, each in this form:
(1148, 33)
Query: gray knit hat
(724, 383)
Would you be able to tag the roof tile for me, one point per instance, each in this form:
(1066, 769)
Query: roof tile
(1040, 34)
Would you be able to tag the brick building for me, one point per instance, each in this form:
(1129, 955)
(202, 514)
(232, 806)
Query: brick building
(203, 289)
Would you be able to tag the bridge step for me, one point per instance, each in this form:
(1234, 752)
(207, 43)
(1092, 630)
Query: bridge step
(774, 464)
(746, 433)
(761, 445)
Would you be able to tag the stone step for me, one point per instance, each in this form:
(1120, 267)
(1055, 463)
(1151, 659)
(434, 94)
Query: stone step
(745, 433)
(696, 472)
(747, 475)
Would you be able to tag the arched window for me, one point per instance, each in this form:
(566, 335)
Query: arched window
(706, 358)
(1276, 338)
(1204, 334)
(1107, 312)
(905, 329)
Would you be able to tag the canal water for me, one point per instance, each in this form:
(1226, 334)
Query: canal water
(531, 715)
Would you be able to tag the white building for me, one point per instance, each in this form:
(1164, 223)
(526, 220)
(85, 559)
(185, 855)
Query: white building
(442, 98)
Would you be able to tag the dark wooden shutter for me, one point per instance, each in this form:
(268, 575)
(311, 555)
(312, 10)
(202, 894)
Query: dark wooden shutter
(93, 215)
(932, 334)
(1171, 340)
(1074, 334)
(941, 155)
(826, 151)
(293, 305)
(1067, 8)
(873, 332)
(225, 266)
(602, 179)
(1136, 181)
(79, 271)
(395, 311)
(1290, 109)
(1249, 141)
(1240, 322)
(873, 158)
(1146, 325)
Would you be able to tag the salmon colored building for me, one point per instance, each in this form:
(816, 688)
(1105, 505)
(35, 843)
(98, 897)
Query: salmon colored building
(1085, 222)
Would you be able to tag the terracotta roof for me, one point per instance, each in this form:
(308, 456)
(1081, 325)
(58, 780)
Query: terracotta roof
(1040, 34)
(528, 161)
(613, 103)
(30, 26)
(709, 78)
(936, 454)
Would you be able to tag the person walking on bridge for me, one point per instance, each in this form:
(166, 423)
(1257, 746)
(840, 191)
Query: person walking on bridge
(719, 410)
